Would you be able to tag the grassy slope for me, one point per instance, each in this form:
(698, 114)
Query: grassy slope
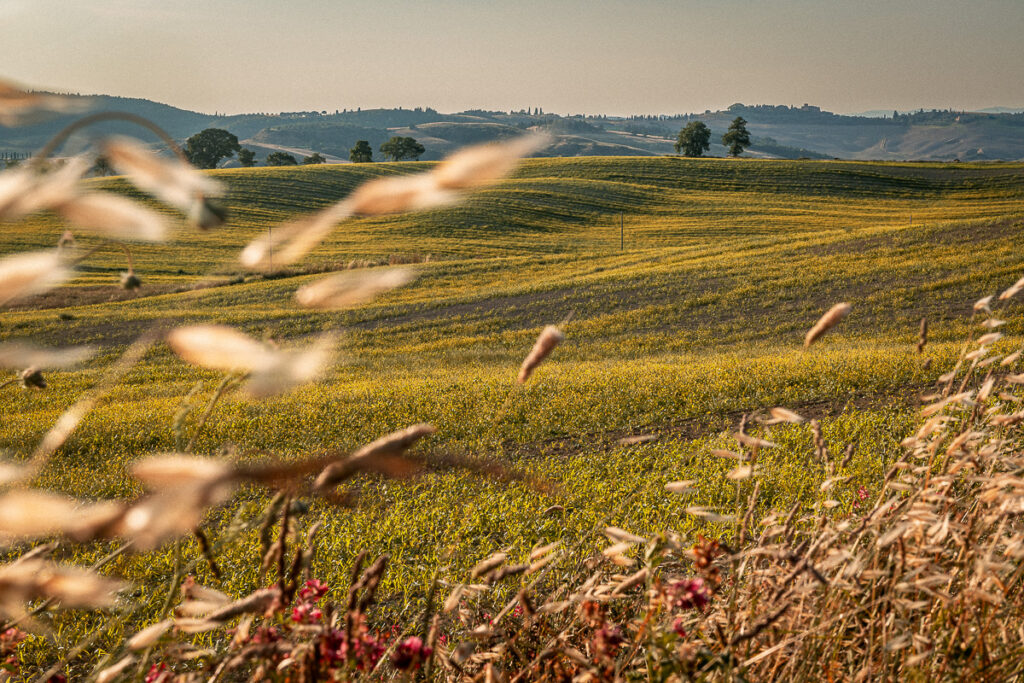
(698, 320)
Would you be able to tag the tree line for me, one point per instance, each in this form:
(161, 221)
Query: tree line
(208, 148)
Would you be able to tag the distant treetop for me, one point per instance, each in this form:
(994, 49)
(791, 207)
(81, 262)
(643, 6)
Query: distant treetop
(208, 148)
(398, 148)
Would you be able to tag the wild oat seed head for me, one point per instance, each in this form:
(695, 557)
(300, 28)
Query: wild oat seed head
(786, 415)
(482, 164)
(549, 338)
(1013, 290)
(219, 347)
(827, 322)
(351, 287)
(172, 470)
(24, 190)
(15, 355)
(115, 216)
(23, 275)
(167, 178)
(19, 105)
(287, 243)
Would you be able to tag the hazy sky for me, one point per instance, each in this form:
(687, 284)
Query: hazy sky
(567, 56)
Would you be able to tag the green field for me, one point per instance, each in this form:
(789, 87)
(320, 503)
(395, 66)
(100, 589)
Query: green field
(696, 319)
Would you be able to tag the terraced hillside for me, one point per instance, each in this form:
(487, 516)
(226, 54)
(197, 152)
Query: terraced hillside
(694, 320)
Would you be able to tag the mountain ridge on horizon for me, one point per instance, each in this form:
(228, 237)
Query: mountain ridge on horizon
(779, 131)
(869, 113)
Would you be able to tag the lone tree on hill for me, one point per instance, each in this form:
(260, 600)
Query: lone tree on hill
(361, 153)
(694, 140)
(281, 159)
(206, 149)
(314, 158)
(398, 148)
(101, 167)
(246, 157)
(737, 138)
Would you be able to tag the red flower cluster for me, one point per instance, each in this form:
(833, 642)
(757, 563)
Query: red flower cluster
(313, 590)
(410, 654)
(158, 673)
(687, 594)
(306, 611)
(365, 651)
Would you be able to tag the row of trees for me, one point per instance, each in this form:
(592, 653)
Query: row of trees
(395, 149)
(209, 147)
(695, 138)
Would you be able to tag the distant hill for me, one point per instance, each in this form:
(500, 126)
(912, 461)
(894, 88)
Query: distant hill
(778, 131)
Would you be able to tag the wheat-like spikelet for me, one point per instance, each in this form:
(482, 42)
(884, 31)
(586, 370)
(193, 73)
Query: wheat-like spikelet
(351, 288)
(114, 216)
(827, 322)
(17, 105)
(26, 274)
(549, 338)
(169, 179)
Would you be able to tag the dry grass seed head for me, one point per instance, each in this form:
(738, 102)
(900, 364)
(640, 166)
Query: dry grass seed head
(169, 512)
(681, 487)
(740, 473)
(482, 164)
(16, 356)
(271, 371)
(827, 322)
(173, 470)
(1013, 290)
(982, 304)
(219, 347)
(149, 636)
(618, 535)
(73, 587)
(638, 439)
(549, 338)
(295, 367)
(24, 190)
(116, 217)
(381, 455)
(169, 179)
(289, 242)
(351, 288)
(30, 514)
(18, 105)
(487, 564)
(27, 274)
(400, 194)
(114, 671)
(786, 415)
